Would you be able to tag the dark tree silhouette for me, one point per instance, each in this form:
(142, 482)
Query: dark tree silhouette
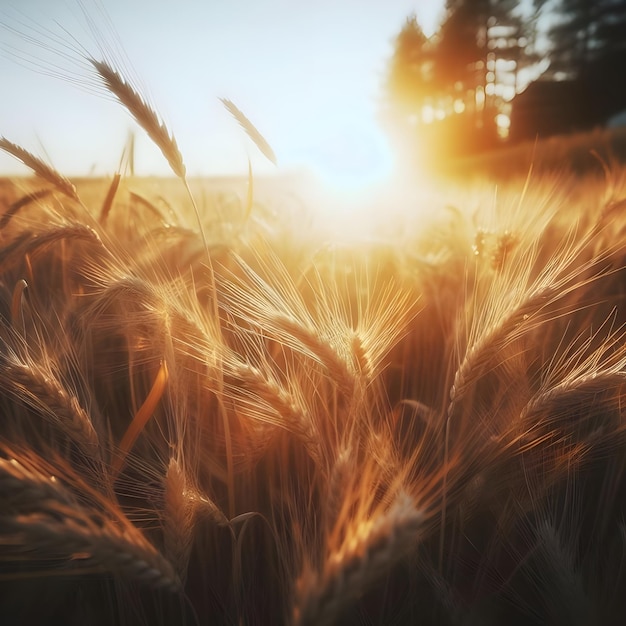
(409, 77)
(585, 34)
(584, 84)
(481, 47)
(573, 44)
(445, 92)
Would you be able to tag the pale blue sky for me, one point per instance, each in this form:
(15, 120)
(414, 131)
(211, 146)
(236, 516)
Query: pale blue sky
(306, 73)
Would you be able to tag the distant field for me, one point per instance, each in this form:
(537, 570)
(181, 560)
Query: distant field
(401, 408)
(580, 153)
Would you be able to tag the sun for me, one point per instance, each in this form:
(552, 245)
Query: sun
(345, 171)
(352, 159)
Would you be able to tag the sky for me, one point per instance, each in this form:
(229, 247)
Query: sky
(307, 74)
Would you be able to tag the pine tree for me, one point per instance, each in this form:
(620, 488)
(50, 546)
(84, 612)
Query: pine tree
(408, 80)
(584, 34)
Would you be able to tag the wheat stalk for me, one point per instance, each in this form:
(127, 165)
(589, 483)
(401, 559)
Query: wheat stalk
(40, 168)
(109, 198)
(148, 119)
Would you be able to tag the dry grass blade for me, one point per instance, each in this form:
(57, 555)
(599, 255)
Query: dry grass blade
(16, 301)
(40, 168)
(260, 141)
(143, 114)
(145, 412)
(249, 194)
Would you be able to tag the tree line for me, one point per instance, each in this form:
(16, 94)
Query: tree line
(458, 89)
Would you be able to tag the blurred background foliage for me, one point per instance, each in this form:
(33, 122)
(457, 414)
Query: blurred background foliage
(500, 72)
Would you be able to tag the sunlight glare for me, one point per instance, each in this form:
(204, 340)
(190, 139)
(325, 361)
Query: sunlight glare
(352, 160)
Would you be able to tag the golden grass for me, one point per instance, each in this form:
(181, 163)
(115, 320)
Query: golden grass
(245, 423)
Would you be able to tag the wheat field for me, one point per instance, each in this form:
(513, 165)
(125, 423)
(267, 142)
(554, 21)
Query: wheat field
(212, 415)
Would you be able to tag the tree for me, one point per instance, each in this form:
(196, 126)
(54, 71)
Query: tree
(585, 33)
(610, 32)
(588, 46)
(474, 32)
(584, 85)
(408, 80)
(449, 90)
(480, 50)
(407, 87)
(571, 36)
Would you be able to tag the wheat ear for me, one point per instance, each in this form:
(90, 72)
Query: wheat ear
(589, 384)
(243, 379)
(19, 204)
(364, 559)
(143, 114)
(44, 393)
(41, 519)
(179, 512)
(560, 278)
(183, 505)
(337, 486)
(40, 168)
(258, 139)
(568, 600)
(337, 367)
(28, 243)
(147, 118)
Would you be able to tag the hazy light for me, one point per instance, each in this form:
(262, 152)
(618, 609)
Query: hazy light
(294, 69)
(351, 160)
(428, 114)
